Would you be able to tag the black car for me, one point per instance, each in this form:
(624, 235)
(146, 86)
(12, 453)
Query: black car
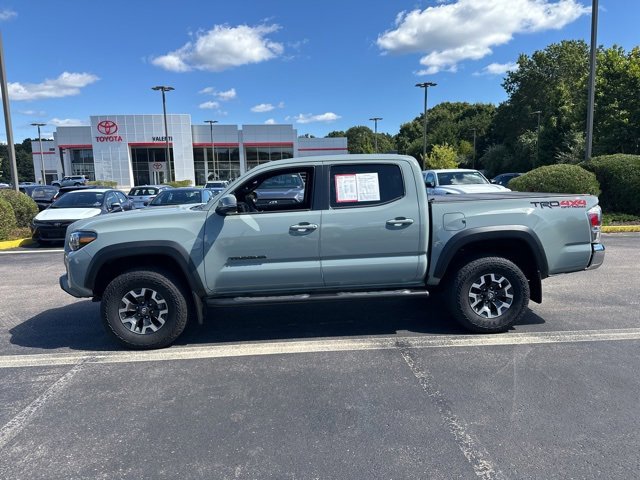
(41, 194)
(504, 178)
(50, 225)
(63, 190)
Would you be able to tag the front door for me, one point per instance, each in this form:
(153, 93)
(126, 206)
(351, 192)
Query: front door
(267, 246)
(158, 172)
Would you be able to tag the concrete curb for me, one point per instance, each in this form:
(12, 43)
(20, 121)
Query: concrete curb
(621, 228)
(21, 242)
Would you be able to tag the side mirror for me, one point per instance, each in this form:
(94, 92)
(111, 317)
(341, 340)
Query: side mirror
(430, 184)
(226, 205)
(115, 207)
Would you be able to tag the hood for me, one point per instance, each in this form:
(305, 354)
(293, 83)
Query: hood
(471, 188)
(51, 214)
(164, 215)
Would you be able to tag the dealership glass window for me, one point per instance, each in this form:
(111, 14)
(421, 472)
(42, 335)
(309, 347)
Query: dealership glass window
(364, 185)
(82, 163)
(259, 155)
(198, 166)
(141, 161)
(227, 165)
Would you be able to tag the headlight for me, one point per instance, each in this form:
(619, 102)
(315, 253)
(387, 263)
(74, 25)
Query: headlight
(77, 240)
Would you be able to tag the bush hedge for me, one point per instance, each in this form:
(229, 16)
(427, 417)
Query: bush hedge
(7, 219)
(104, 183)
(619, 177)
(24, 208)
(557, 179)
(180, 183)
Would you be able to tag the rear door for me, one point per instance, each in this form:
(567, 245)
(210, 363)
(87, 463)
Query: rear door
(371, 231)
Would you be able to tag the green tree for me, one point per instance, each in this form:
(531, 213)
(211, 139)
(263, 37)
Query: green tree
(442, 156)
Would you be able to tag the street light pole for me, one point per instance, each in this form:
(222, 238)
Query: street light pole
(375, 137)
(474, 147)
(592, 80)
(44, 178)
(213, 149)
(163, 89)
(537, 112)
(426, 86)
(11, 150)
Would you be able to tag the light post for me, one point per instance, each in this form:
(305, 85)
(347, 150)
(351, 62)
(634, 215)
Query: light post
(592, 80)
(537, 112)
(474, 147)
(44, 178)
(426, 86)
(375, 137)
(163, 89)
(213, 149)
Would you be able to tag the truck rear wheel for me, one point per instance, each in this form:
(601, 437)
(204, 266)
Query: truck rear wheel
(489, 294)
(145, 309)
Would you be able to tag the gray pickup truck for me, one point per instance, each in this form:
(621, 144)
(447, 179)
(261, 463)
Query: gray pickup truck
(363, 226)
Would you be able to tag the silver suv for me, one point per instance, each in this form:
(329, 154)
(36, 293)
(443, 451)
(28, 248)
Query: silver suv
(72, 181)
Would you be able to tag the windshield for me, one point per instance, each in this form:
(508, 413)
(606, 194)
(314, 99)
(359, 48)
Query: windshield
(79, 200)
(179, 197)
(282, 181)
(143, 191)
(461, 178)
(216, 184)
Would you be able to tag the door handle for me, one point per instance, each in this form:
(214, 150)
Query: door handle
(399, 222)
(303, 227)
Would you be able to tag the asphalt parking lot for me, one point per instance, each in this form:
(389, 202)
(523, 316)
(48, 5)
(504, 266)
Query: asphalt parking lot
(377, 388)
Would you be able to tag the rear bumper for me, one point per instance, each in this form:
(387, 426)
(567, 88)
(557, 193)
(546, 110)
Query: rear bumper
(597, 256)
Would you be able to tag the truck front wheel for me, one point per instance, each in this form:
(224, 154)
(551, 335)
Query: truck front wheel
(144, 309)
(489, 295)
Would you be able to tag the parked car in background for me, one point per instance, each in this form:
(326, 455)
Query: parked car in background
(181, 196)
(4, 185)
(64, 190)
(73, 180)
(41, 194)
(457, 181)
(216, 186)
(50, 225)
(504, 178)
(143, 194)
(287, 189)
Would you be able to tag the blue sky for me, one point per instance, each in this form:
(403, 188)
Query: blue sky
(321, 66)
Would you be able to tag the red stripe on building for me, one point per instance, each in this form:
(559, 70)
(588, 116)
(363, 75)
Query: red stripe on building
(222, 144)
(150, 144)
(269, 144)
(76, 146)
(314, 149)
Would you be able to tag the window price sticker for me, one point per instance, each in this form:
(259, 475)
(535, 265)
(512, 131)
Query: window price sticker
(359, 187)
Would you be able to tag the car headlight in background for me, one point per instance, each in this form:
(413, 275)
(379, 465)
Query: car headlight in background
(77, 240)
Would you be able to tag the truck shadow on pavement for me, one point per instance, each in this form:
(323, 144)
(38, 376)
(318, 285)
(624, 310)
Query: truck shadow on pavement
(77, 326)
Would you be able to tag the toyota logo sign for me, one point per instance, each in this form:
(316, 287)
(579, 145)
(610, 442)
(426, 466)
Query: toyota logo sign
(107, 127)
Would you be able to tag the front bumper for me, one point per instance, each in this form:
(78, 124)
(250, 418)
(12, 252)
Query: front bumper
(76, 264)
(597, 256)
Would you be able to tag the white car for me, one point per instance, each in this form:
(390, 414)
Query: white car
(457, 181)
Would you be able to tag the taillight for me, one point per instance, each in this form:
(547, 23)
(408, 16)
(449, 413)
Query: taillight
(595, 222)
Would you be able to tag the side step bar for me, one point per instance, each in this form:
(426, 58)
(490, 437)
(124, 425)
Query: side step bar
(303, 297)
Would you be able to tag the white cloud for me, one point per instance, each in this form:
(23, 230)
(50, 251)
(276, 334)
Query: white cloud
(209, 105)
(449, 33)
(67, 122)
(270, 121)
(65, 85)
(33, 113)
(222, 48)
(498, 68)
(262, 107)
(223, 96)
(7, 14)
(309, 118)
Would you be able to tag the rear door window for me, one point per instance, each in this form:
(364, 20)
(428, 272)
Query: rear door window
(364, 185)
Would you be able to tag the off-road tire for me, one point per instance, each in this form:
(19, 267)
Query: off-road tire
(166, 287)
(475, 308)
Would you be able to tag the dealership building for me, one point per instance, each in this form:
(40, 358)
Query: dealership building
(131, 149)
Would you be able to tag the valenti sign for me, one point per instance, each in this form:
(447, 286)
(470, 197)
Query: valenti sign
(109, 130)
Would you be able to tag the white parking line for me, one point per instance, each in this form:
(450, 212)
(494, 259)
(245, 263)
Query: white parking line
(316, 346)
(23, 252)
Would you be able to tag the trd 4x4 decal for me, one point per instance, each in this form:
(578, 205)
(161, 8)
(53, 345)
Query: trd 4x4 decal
(578, 203)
